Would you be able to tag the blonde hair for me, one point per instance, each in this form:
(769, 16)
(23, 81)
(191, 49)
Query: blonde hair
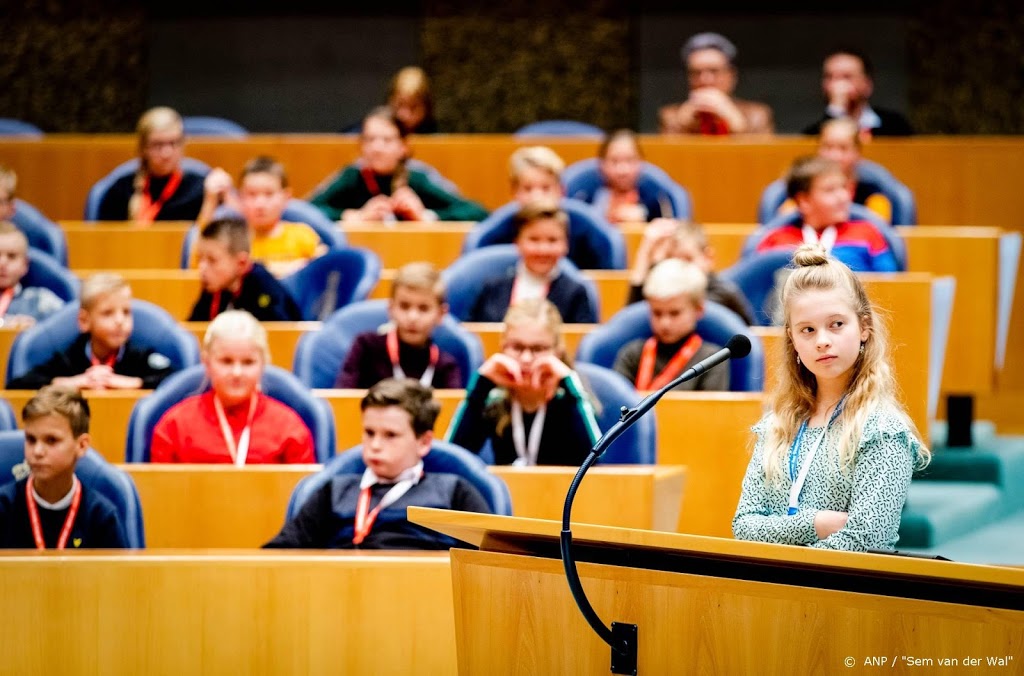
(672, 277)
(156, 119)
(411, 81)
(8, 228)
(420, 276)
(535, 157)
(237, 324)
(847, 125)
(99, 285)
(8, 181)
(536, 310)
(872, 384)
(687, 230)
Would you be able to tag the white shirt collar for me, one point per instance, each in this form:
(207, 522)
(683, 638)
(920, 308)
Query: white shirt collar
(413, 474)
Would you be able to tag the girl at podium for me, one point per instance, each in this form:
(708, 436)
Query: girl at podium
(834, 455)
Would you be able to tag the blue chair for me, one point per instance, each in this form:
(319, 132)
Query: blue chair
(319, 355)
(339, 277)
(200, 125)
(8, 419)
(296, 211)
(277, 383)
(904, 207)
(11, 127)
(466, 276)
(593, 242)
(583, 179)
(443, 458)
(433, 174)
(639, 444)
(559, 128)
(755, 276)
(100, 188)
(857, 212)
(153, 327)
(96, 474)
(45, 271)
(41, 232)
(718, 325)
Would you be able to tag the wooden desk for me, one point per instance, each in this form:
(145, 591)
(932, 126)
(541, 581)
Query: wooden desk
(172, 289)
(260, 613)
(106, 246)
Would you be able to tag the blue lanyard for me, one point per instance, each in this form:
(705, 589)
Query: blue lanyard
(794, 453)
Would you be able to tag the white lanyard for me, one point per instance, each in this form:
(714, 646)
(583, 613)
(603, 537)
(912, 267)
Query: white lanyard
(403, 483)
(827, 239)
(396, 369)
(241, 451)
(526, 451)
(794, 451)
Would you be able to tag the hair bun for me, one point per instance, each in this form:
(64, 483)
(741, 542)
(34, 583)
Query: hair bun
(810, 255)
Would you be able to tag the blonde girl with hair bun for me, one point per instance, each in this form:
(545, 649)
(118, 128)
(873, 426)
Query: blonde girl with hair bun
(834, 455)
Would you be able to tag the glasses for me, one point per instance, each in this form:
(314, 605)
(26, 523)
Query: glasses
(160, 145)
(518, 349)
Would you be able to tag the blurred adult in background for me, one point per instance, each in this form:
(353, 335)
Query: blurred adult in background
(409, 96)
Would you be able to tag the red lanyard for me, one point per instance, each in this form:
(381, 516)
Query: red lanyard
(370, 180)
(33, 517)
(5, 300)
(109, 361)
(396, 368)
(712, 125)
(673, 368)
(215, 300)
(149, 209)
(365, 518)
(239, 451)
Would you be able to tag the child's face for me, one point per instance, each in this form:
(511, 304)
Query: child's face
(839, 147)
(6, 205)
(390, 444)
(218, 267)
(686, 249)
(409, 109)
(13, 260)
(541, 245)
(382, 146)
(674, 317)
(826, 334)
(263, 201)
(109, 320)
(416, 313)
(51, 449)
(234, 367)
(163, 150)
(535, 184)
(621, 164)
(827, 202)
(526, 342)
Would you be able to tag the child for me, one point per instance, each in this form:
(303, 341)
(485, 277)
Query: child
(668, 238)
(405, 349)
(675, 292)
(103, 356)
(20, 306)
(380, 187)
(623, 198)
(282, 247)
(834, 456)
(542, 238)
(398, 422)
(161, 189)
(8, 186)
(50, 508)
(510, 398)
(233, 422)
(409, 96)
(231, 280)
(820, 189)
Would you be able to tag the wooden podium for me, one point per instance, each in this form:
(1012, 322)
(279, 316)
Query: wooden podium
(715, 606)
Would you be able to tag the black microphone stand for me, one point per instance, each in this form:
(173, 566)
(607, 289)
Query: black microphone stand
(621, 637)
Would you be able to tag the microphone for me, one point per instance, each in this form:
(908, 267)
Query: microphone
(623, 637)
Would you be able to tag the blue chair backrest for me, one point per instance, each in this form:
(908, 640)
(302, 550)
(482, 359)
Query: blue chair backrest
(466, 276)
(153, 327)
(718, 325)
(96, 474)
(100, 188)
(444, 458)
(320, 355)
(276, 383)
(46, 271)
(202, 125)
(559, 128)
(857, 213)
(433, 174)
(339, 277)
(637, 445)
(755, 275)
(11, 127)
(8, 418)
(41, 232)
(593, 242)
(904, 207)
(583, 179)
